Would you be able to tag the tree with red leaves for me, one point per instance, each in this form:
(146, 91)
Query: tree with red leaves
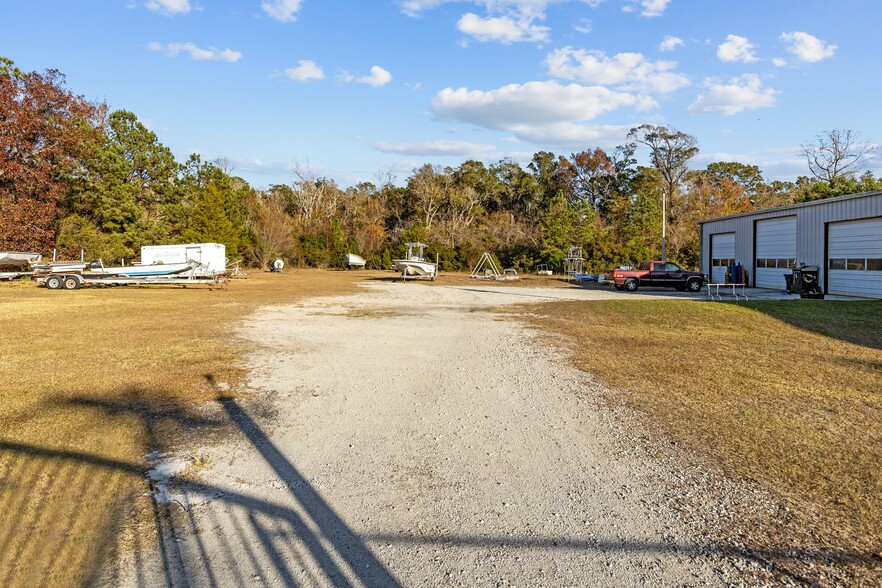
(46, 133)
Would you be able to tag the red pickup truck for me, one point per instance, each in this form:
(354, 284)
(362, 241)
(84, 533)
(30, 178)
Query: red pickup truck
(657, 273)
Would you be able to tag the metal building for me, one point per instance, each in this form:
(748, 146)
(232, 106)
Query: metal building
(842, 236)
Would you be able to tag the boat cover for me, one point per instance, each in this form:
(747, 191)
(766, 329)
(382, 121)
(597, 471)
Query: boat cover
(11, 261)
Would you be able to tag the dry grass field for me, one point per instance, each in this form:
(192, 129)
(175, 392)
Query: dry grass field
(787, 394)
(94, 379)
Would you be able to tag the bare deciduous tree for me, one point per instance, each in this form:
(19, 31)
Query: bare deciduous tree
(429, 185)
(670, 152)
(314, 197)
(835, 154)
(271, 231)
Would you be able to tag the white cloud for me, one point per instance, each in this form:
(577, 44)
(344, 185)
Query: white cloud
(282, 10)
(197, 53)
(506, 21)
(741, 93)
(736, 48)
(169, 7)
(305, 71)
(776, 163)
(504, 29)
(575, 135)
(539, 112)
(807, 48)
(584, 26)
(441, 147)
(630, 71)
(778, 62)
(653, 8)
(417, 7)
(526, 7)
(378, 77)
(669, 43)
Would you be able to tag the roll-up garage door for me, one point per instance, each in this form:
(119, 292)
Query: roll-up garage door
(775, 251)
(854, 251)
(722, 254)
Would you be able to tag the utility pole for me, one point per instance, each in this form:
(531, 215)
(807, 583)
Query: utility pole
(664, 224)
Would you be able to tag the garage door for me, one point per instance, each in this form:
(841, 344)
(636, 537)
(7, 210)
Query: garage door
(775, 251)
(854, 251)
(722, 254)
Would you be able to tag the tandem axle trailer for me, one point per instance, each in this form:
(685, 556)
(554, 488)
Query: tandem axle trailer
(76, 280)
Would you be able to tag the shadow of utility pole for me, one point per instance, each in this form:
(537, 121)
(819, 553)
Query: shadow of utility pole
(345, 543)
(232, 538)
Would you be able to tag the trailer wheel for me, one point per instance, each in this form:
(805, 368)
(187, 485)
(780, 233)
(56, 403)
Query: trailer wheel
(72, 282)
(54, 282)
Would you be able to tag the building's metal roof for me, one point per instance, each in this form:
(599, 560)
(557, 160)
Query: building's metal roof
(822, 201)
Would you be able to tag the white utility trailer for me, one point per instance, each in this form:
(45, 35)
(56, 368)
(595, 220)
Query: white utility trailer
(212, 257)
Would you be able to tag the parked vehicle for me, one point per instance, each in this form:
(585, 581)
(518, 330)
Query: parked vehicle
(665, 274)
(192, 263)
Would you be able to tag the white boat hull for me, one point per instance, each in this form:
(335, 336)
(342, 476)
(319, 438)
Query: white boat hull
(138, 271)
(17, 261)
(415, 268)
(353, 260)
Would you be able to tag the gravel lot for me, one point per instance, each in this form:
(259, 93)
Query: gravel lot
(411, 435)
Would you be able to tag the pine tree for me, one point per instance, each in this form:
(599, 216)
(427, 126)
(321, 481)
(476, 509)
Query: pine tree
(209, 222)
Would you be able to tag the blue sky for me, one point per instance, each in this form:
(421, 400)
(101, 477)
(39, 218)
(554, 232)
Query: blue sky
(353, 89)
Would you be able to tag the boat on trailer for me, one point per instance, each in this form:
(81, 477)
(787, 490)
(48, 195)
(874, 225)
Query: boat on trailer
(414, 264)
(15, 261)
(138, 270)
(17, 264)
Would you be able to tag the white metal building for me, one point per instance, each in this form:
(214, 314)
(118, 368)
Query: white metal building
(842, 236)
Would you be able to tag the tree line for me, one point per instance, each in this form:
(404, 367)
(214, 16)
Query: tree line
(76, 176)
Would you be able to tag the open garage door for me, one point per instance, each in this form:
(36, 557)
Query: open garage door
(722, 254)
(854, 258)
(775, 251)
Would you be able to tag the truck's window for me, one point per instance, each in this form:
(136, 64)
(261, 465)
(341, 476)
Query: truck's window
(672, 267)
(644, 265)
(658, 267)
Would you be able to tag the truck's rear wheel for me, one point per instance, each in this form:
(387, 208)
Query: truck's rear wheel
(631, 285)
(54, 282)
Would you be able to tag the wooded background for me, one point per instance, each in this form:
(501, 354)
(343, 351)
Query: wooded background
(75, 175)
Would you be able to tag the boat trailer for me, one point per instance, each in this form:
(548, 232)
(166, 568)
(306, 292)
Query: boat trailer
(76, 280)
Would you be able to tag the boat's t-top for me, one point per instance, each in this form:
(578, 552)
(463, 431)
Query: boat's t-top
(416, 251)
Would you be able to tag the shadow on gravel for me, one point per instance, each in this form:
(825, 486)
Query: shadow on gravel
(240, 540)
(297, 540)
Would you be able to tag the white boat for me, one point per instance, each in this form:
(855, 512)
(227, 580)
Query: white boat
(15, 261)
(353, 260)
(414, 263)
(98, 269)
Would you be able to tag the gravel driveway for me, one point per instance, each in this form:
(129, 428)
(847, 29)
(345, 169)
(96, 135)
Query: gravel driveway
(409, 435)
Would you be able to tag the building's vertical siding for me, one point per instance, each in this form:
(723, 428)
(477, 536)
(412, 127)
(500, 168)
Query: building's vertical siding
(812, 219)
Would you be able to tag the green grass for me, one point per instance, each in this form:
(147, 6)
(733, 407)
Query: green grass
(788, 394)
